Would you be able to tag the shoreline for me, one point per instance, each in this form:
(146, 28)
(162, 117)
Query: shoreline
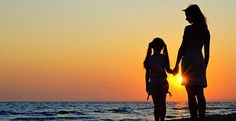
(223, 117)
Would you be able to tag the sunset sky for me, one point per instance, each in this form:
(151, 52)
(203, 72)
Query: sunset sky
(93, 50)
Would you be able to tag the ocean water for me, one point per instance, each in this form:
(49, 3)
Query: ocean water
(100, 111)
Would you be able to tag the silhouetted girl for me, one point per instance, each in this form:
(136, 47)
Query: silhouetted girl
(156, 65)
(196, 36)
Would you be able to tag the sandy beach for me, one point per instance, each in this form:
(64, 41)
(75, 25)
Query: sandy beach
(230, 117)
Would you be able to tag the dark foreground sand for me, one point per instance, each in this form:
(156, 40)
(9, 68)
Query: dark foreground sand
(230, 117)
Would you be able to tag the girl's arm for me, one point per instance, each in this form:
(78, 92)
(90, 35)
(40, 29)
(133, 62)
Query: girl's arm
(167, 66)
(168, 69)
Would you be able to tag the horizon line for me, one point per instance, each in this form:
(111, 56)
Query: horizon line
(226, 101)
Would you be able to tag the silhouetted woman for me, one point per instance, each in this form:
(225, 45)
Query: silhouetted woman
(196, 36)
(156, 65)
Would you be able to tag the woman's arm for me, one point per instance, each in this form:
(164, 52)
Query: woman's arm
(179, 57)
(207, 50)
(181, 50)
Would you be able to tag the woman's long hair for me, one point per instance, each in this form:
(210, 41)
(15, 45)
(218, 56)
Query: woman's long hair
(196, 15)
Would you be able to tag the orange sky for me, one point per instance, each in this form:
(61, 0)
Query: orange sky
(94, 50)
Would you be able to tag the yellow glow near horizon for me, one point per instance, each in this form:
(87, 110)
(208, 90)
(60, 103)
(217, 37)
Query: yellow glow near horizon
(176, 80)
(179, 79)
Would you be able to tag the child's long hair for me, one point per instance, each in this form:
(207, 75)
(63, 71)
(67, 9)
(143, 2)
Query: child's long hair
(157, 43)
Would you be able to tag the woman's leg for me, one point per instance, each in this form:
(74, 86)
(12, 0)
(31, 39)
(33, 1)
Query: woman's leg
(156, 107)
(201, 103)
(192, 102)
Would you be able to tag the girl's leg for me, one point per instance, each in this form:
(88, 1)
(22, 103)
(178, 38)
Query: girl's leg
(156, 107)
(192, 102)
(163, 106)
(201, 103)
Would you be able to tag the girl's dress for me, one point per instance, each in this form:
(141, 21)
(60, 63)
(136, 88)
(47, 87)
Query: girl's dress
(158, 83)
